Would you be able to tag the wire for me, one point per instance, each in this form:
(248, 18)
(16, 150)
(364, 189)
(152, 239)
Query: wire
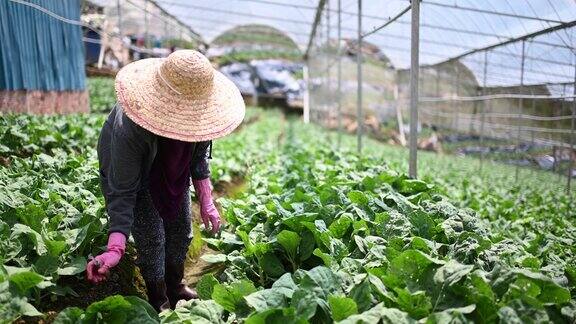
(75, 22)
(494, 96)
(393, 19)
(509, 127)
(193, 33)
(501, 115)
(504, 14)
(52, 14)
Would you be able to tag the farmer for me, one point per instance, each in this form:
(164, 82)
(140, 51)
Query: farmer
(158, 137)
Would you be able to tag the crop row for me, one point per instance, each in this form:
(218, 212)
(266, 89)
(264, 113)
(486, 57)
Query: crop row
(52, 208)
(322, 235)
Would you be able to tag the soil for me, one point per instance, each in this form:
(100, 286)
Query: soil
(196, 268)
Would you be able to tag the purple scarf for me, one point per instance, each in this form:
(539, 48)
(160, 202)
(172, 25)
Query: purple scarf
(170, 176)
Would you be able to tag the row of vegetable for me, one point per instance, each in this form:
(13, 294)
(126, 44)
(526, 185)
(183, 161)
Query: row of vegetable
(52, 209)
(320, 235)
(324, 236)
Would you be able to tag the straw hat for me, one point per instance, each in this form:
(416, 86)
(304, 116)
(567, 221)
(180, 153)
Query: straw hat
(180, 97)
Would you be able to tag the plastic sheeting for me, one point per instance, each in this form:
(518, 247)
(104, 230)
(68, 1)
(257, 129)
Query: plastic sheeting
(38, 51)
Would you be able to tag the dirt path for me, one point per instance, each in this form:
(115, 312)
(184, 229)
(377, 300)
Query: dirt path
(196, 268)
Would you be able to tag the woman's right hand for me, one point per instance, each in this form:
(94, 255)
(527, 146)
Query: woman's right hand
(98, 269)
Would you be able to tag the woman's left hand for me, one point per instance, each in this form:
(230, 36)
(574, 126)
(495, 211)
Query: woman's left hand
(210, 215)
(208, 211)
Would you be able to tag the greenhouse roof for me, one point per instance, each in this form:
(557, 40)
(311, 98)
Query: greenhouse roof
(449, 28)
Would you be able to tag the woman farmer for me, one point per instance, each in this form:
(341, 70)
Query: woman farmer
(158, 137)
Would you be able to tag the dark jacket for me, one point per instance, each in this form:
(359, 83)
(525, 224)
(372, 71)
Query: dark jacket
(126, 152)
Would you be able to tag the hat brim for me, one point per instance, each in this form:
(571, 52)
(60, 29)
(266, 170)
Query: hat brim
(158, 108)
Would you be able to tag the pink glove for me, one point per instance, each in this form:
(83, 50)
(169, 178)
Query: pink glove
(97, 269)
(208, 211)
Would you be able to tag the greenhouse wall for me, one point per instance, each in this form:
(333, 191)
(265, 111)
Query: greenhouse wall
(42, 70)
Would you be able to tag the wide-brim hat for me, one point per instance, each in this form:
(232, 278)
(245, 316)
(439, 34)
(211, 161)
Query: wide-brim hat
(180, 97)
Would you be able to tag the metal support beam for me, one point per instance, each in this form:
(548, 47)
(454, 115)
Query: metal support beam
(572, 140)
(516, 39)
(306, 94)
(497, 13)
(328, 112)
(339, 53)
(359, 117)
(119, 9)
(414, 66)
(391, 20)
(520, 107)
(146, 44)
(456, 105)
(317, 19)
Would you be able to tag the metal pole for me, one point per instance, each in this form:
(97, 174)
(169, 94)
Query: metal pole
(414, 66)
(483, 113)
(572, 140)
(520, 108)
(146, 24)
(165, 32)
(119, 9)
(533, 112)
(339, 53)
(321, 97)
(438, 105)
(328, 114)
(556, 165)
(359, 117)
(306, 94)
(456, 104)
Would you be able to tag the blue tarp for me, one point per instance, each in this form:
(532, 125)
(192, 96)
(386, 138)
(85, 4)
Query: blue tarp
(38, 51)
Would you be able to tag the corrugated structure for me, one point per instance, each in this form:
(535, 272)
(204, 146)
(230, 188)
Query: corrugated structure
(41, 57)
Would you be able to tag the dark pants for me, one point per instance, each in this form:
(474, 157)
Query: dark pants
(157, 241)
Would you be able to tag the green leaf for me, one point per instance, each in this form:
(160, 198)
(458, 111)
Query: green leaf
(35, 237)
(76, 266)
(120, 309)
(46, 265)
(305, 303)
(290, 242)
(341, 225)
(196, 245)
(307, 245)
(411, 266)
(231, 297)
(411, 186)
(451, 315)
(267, 298)
(12, 307)
(549, 291)
(361, 293)
(285, 284)
(358, 197)
(205, 286)
(54, 247)
(214, 258)
(452, 272)
(23, 279)
(271, 265)
(70, 315)
(342, 307)
(326, 258)
(195, 311)
(380, 314)
(276, 315)
(322, 281)
(417, 304)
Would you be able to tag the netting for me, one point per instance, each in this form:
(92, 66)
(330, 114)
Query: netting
(508, 97)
